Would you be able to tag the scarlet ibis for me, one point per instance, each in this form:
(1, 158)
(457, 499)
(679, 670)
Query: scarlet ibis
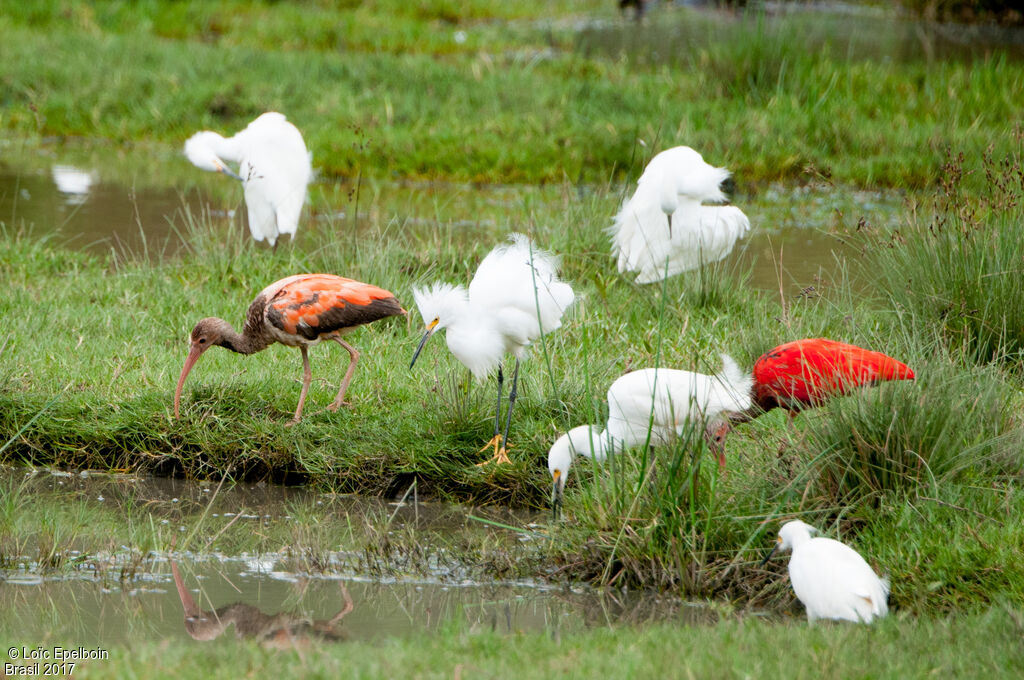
(805, 373)
(830, 578)
(298, 311)
(514, 298)
(658, 401)
(664, 229)
(274, 168)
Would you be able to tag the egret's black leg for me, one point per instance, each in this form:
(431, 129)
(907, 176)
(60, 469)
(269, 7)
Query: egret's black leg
(495, 441)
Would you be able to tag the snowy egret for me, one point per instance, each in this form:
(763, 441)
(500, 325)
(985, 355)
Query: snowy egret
(298, 311)
(830, 578)
(514, 298)
(804, 373)
(661, 401)
(274, 168)
(663, 229)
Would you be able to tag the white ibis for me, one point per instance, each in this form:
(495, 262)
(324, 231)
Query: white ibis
(298, 311)
(664, 229)
(830, 578)
(273, 166)
(514, 298)
(655, 404)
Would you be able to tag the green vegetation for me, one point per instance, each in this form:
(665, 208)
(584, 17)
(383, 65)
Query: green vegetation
(384, 89)
(924, 477)
(979, 645)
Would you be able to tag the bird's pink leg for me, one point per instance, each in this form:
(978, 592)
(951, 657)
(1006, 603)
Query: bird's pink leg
(307, 377)
(354, 357)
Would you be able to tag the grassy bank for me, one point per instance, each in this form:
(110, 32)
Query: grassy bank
(525, 95)
(978, 645)
(923, 476)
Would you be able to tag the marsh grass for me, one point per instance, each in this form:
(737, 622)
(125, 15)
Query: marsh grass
(951, 422)
(381, 90)
(956, 266)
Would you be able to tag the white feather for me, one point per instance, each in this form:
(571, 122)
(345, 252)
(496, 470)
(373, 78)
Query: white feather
(830, 578)
(274, 166)
(514, 298)
(662, 400)
(676, 182)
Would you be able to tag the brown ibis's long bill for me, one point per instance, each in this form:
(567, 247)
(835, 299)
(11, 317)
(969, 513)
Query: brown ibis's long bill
(190, 361)
(187, 603)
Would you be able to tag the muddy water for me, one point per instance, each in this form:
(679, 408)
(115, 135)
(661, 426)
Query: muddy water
(82, 199)
(112, 588)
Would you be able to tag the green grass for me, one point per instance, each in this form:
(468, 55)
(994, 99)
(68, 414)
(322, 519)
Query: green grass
(976, 645)
(924, 477)
(525, 99)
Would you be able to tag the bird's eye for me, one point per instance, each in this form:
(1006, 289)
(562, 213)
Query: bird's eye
(202, 341)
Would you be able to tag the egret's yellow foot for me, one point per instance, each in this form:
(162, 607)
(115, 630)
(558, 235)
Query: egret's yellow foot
(500, 454)
(500, 457)
(495, 442)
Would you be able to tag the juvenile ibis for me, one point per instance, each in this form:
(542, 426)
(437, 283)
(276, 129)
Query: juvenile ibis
(664, 228)
(805, 373)
(830, 578)
(659, 400)
(298, 311)
(273, 166)
(514, 298)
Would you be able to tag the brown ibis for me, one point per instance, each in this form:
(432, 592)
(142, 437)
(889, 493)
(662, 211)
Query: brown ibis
(298, 311)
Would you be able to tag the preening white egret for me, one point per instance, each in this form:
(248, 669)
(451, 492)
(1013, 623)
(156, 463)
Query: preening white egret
(830, 578)
(273, 166)
(663, 228)
(514, 298)
(662, 401)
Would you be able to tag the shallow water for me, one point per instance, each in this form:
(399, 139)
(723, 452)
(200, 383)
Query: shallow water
(81, 198)
(269, 595)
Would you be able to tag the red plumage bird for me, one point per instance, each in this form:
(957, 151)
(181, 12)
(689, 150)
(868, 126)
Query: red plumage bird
(298, 311)
(804, 373)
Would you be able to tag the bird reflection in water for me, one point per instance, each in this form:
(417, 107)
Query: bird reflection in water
(277, 631)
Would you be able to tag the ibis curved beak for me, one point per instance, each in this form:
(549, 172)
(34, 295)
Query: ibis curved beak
(190, 361)
(187, 603)
(423, 341)
(556, 494)
(221, 168)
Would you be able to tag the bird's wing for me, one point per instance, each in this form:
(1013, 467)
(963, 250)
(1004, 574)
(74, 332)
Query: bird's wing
(522, 278)
(813, 369)
(276, 171)
(314, 304)
(835, 582)
(701, 234)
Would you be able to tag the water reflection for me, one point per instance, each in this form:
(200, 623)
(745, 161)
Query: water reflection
(283, 630)
(73, 182)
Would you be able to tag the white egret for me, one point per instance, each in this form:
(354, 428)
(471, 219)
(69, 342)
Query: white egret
(830, 578)
(273, 166)
(514, 298)
(661, 401)
(663, 228)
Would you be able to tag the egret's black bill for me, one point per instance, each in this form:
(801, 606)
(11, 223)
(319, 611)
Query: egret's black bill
(769, 555)
(231, 173)
(423, 341)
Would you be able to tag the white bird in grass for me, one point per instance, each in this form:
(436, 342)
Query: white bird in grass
(273, 166)
(664, 229)
(831, 579)
(514, 298)
(661, 401)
